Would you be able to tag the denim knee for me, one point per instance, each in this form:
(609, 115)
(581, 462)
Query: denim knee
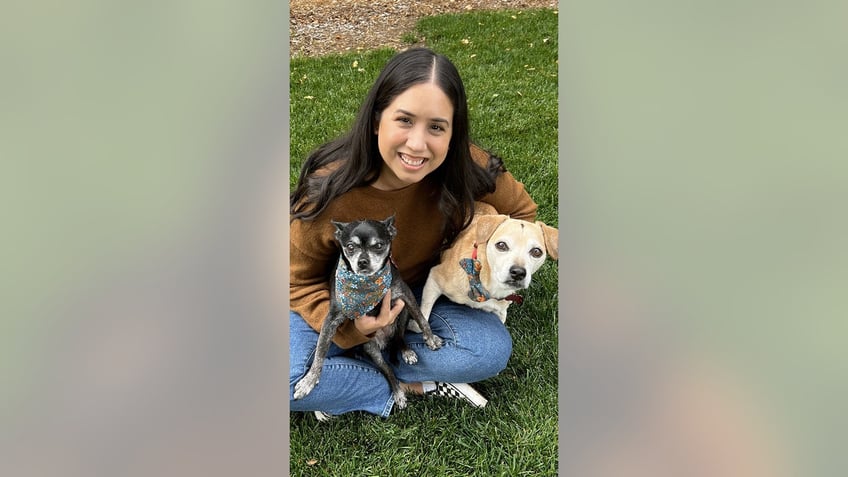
(489, 355)
(478, 343)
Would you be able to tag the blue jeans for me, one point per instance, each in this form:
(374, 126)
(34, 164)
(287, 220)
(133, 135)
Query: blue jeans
(476, 346)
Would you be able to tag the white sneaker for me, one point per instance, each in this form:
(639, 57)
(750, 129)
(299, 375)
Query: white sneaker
(458, 390)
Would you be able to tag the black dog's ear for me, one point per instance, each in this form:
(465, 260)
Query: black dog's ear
(389, 223)
(340, 226)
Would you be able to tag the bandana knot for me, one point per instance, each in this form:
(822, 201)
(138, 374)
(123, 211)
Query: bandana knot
(476, 290)
(358, 294)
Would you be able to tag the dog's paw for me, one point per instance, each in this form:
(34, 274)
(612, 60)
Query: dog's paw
(434, 343)
(305, 386)
(400, 399)
(409, 356)
(413, 327)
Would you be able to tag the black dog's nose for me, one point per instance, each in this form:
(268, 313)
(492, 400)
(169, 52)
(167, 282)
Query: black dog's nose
(363, 262)
(517, 273)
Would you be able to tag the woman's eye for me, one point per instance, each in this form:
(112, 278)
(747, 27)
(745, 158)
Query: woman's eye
(502, 246)
(437, 128)
(536, 252)
(404, 120)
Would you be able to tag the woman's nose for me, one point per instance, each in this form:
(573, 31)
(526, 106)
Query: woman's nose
(416, 140)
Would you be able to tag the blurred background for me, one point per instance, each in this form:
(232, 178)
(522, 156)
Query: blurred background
(140, 146)
(705, 172)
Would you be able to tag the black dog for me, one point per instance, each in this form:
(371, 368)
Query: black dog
(364, 274)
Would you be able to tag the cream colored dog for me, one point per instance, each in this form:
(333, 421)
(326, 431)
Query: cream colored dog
(489, 261)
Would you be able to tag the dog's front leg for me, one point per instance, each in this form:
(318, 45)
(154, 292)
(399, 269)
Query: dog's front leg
(310, 380)
(408, 354)
(502, 313)
(429, 295)
(430, 339)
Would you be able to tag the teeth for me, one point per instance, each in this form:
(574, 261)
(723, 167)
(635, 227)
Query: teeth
(406, 159)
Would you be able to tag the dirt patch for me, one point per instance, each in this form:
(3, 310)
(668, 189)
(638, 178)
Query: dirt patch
(322, 27)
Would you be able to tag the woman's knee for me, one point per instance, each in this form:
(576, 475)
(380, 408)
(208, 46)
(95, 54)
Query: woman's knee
(492, 351)
(482, 345)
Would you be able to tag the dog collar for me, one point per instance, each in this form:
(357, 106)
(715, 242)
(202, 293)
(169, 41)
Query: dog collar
(476, 290)
(357, 294)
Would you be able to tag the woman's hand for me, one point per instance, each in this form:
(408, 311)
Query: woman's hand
(367, 324)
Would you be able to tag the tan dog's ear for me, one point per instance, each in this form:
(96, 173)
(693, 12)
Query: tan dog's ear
(486, 225)
(551, 240)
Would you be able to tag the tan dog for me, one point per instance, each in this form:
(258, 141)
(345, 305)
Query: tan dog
(507, 252)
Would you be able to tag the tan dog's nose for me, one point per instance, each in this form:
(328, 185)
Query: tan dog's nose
(517, 273)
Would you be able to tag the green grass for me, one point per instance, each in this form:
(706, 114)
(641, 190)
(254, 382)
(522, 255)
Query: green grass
(508, 61)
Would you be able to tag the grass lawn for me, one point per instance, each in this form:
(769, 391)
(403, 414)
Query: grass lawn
(508, 61)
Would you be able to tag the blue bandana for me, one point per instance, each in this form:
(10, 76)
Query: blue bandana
(357, 294)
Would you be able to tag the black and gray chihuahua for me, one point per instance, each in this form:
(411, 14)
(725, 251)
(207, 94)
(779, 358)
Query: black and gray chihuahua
(364, 273)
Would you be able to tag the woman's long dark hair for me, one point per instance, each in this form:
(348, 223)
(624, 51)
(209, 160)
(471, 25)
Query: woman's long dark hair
(355, 160)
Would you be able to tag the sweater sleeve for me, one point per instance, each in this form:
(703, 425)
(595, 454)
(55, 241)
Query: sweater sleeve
(312, 257)
(510, 197)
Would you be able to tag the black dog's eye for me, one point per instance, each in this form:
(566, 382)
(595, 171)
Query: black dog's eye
(536, 252)
(350, 247)
(502, 246)
(378, 246)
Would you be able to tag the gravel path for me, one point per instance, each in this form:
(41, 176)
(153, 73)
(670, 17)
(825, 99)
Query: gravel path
(322, 27)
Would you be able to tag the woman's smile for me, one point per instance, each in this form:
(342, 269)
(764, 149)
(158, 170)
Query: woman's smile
(412, 161)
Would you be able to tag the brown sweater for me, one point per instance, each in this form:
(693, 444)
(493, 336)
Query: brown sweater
(314, 252)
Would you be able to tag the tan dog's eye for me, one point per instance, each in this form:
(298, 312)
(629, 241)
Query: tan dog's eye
(502, 246)
(536, 252)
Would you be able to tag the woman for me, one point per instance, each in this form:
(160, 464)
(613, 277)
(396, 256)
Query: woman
(408, 154)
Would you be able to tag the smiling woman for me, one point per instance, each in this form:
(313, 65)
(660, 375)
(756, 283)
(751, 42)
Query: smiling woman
(407, 155)
(446, 436)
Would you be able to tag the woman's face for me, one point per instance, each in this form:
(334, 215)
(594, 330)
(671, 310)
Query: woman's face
(413, 135)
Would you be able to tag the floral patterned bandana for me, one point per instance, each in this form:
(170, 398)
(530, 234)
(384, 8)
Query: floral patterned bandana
(358, 294)
(476, 290)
